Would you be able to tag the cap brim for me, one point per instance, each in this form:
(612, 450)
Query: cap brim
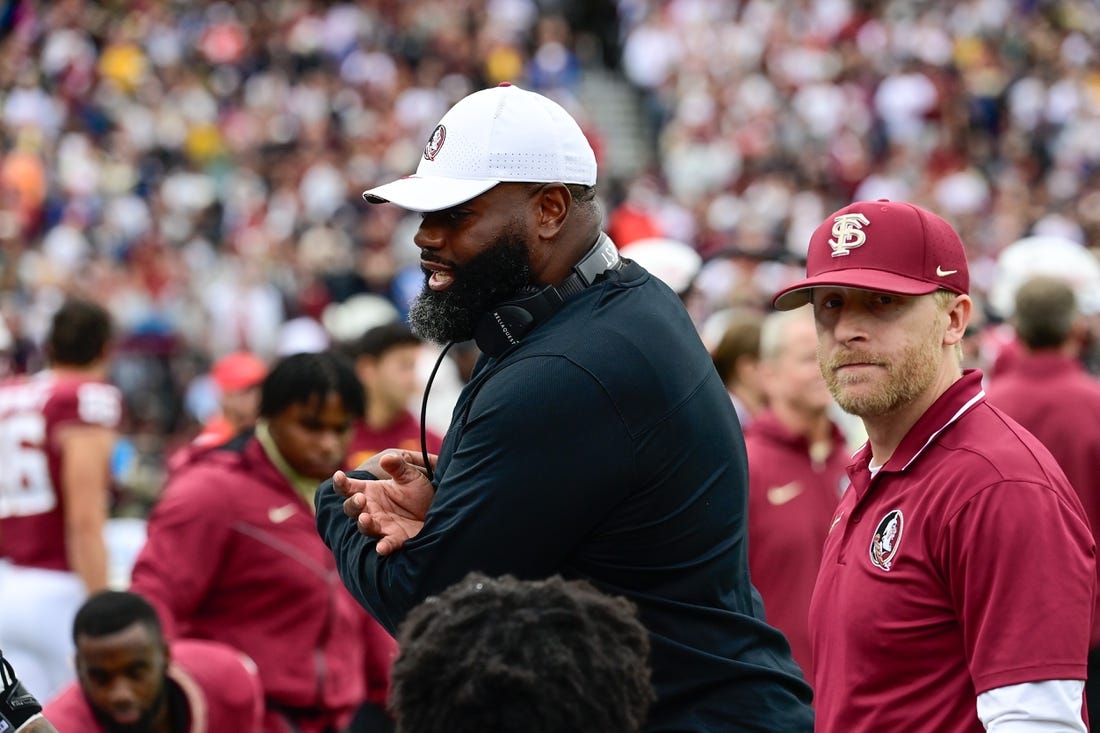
(800, 293)
(419, 193)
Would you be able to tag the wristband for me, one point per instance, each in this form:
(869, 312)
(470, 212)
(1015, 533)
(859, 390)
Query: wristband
(17, 706)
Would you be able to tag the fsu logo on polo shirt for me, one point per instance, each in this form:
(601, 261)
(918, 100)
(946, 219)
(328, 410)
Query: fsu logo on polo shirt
(887, 539)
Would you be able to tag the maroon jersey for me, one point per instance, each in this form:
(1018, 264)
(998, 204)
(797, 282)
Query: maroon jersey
(404, 434)
(791, 501)
(220, 686)
(33, 412)
(963, 565)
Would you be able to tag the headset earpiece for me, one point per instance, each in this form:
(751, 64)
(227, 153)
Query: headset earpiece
(505, 325)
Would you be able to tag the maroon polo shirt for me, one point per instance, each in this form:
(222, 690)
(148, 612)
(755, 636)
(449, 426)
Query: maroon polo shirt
(791, 501)
(1058, 402)
(965, 564)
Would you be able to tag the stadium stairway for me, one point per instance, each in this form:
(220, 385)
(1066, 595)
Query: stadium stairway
(615, 109)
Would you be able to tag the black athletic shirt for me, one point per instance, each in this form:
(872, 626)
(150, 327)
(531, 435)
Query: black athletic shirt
(604, 447)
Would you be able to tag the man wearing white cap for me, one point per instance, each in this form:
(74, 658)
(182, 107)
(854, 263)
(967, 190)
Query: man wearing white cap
(594, 439)
(955, 593)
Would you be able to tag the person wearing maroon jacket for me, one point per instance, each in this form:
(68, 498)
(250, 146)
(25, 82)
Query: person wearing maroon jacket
(57, 432)
(797, 457)
(958, 577)
(233, 555)
(1048, 391)
(131, 681)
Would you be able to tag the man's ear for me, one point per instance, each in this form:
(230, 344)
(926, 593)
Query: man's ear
(552, 204)
(958, 318)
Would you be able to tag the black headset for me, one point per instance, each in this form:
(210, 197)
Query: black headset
(507, 323)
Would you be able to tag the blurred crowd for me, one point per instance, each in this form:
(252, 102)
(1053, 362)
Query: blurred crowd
(770, 115)
(196, 166)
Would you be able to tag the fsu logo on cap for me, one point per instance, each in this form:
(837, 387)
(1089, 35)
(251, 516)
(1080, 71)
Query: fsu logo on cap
(848, 233)
(435, 142)
(887, 539)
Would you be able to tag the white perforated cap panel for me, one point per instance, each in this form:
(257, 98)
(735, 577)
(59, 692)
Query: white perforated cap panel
(500, 134)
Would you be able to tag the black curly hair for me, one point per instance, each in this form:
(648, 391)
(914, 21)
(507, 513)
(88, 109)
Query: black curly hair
(309, 377)
(501, 655)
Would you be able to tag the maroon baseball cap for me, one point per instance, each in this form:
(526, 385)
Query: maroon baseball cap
(887, 246)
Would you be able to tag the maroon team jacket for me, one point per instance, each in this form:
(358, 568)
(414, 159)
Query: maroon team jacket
(233, 555)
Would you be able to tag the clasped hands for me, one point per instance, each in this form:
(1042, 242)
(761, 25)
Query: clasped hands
(391, 508)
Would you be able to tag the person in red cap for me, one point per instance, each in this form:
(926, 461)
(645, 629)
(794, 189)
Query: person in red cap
(955, 593)
(237, 377)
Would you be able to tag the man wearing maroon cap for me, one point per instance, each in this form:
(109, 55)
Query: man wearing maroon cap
(956, 586)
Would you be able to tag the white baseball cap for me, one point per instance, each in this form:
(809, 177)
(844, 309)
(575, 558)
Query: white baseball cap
(1050, 255)
(673, 262)
(500, 134)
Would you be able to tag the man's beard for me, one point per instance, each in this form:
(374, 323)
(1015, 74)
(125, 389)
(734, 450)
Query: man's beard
(908, 376)
(482, 283)
(144, 724)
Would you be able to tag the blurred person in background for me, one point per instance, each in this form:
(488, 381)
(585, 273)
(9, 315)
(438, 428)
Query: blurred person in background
(233, 554)
(57, 432)
(1042, 256)
(736, 356)
(1048, 391)
(797, 461)
(385, 362)
(237, 378)
(131, 680)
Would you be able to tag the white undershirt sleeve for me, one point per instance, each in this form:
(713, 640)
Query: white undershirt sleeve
(1050, 706)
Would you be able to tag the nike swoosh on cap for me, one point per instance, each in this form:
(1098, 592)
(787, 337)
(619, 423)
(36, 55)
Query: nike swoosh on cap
(944, 273)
